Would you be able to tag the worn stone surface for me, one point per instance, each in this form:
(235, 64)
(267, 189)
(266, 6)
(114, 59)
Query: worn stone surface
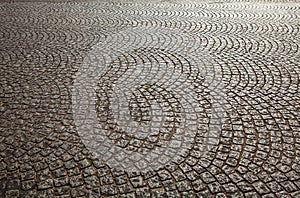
(149, 99)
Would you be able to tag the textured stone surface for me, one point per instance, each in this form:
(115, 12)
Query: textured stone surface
(139, 99)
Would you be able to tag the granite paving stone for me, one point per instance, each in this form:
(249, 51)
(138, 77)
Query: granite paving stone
(136, 98)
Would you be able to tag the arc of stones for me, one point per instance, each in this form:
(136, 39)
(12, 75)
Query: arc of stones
(122, 99)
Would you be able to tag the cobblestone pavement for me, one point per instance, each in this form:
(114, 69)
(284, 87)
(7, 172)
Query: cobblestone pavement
(160, 99)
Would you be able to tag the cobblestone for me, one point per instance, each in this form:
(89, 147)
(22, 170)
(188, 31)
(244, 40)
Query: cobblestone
(149, 99)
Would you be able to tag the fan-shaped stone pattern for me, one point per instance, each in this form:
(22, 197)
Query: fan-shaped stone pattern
(168, 88)
(251, 53)
(142, 109)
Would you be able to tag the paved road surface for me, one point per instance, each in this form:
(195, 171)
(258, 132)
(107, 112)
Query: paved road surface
(140, 99)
